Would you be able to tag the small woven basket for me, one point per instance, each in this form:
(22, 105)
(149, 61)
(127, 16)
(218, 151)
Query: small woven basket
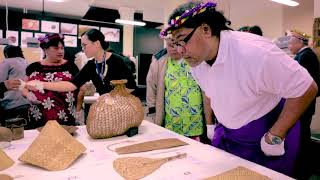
(114, 113)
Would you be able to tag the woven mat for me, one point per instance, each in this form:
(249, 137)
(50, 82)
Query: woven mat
(151, 145)
(239, 173)
(5, 161)
(54, 148)
(5, 177)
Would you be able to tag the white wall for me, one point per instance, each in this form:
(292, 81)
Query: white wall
(264, 13)
(316, 8)
(300, 17)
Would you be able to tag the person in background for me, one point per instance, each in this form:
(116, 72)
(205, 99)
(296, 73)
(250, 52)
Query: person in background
(13, 103)
(304, 55)
(175, 97)
(255, 30)
(103, 68)
(257, 91)
(244, 29)
(52, 105)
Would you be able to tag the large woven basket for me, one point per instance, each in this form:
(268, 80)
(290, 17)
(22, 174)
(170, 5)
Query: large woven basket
(114, 113)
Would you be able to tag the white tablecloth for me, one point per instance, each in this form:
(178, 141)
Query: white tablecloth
(96, 163)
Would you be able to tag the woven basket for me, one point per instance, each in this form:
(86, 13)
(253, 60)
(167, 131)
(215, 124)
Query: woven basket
(114, 113)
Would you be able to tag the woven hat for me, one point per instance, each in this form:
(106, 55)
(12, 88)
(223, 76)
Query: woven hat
(239, 173)
(71, 129)
(5, 161)
(151, 145)
(54, 149)
(5, 177)
(5, 134)
(6, 137)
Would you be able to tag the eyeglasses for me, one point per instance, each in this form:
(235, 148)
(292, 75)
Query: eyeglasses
(179, 45)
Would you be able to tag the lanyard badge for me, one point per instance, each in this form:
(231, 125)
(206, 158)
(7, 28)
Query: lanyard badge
(102, 72)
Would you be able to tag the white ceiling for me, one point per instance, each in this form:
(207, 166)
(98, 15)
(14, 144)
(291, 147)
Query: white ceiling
(152, 10)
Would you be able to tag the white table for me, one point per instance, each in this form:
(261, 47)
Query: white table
(96, 163)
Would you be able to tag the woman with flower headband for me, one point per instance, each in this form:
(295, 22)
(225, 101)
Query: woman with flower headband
(51, 105)
(101, 70)
(257, 92)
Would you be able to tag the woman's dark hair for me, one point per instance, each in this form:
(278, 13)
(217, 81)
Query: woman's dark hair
(12, 51)
(96, 35)
(213, 18)
(256, 30)
(51, 39)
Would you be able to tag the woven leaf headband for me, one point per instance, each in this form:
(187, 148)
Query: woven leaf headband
(49, 37)
(179, 20)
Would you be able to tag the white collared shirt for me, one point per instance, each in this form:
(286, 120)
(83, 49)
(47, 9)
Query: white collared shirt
(249, 78)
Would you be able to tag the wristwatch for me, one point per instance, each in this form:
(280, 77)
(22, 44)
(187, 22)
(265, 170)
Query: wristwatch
(274, 139)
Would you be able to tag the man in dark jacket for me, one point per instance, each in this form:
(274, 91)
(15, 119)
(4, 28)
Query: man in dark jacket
(298, 45)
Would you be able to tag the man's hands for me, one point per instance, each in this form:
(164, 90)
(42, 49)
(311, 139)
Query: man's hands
(12, 84)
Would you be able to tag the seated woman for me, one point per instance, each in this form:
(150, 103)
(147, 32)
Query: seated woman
(52, 105)
(103, 68)
(13, 67)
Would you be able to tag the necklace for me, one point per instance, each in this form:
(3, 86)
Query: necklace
(102, 72)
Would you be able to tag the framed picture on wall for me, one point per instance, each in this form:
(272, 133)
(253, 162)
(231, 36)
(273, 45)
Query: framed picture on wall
(50, 26)
(38, 35)
(13, 37)
(84, 28)
(70, 41)
(24, 36)
(30, 24)
(111, 34)
(67, 28)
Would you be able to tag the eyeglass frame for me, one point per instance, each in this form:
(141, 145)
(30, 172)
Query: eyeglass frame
(183, 42)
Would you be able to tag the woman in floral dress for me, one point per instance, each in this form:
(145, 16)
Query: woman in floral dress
(52, 105)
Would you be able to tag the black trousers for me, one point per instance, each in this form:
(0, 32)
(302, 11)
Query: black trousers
(304, 168)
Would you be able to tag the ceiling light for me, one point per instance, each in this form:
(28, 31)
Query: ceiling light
(136, 23)
(287, 2)
(56, 0)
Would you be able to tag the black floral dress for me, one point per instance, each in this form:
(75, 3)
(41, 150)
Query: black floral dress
(52, 105)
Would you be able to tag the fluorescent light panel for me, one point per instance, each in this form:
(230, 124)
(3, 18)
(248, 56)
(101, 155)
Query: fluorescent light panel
(287, 2)
(136, 23)
(56, 0)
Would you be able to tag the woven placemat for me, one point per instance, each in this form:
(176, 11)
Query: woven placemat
(5, 161)
(54, 148)
(239, 173)
(151, 145)
(5, 177)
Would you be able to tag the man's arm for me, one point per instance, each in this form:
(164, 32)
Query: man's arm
(292, 110)
(208, 113)
(152, 80)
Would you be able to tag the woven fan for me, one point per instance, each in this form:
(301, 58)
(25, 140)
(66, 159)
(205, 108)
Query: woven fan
(151, 145)
(5, 161)
(239, 173)
(132, 168)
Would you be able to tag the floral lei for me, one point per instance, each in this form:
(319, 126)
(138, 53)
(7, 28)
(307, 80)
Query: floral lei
(179, 20)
